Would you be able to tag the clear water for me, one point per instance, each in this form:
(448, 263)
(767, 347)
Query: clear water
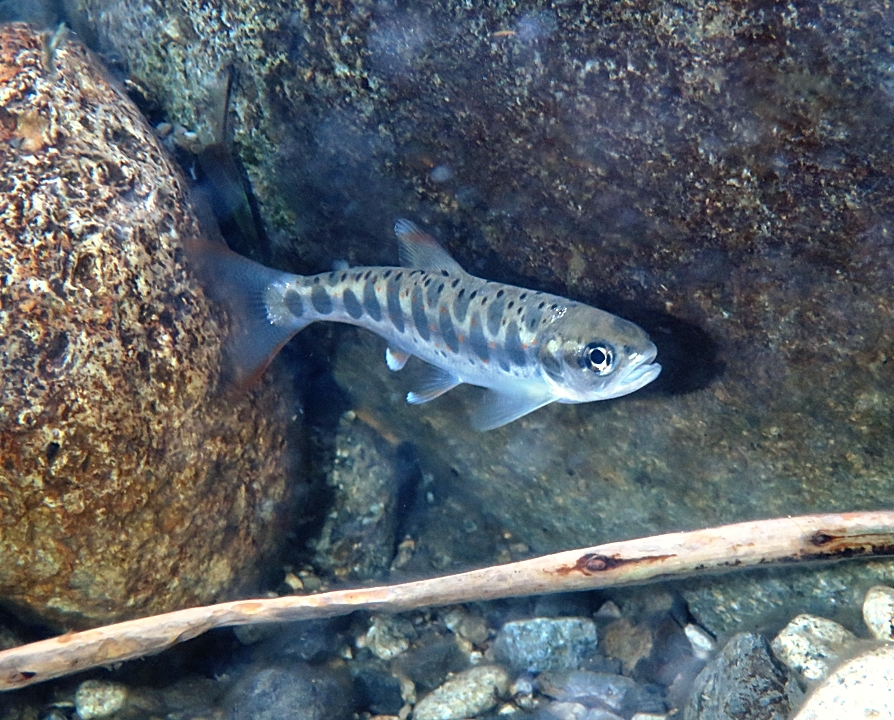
(720, 175)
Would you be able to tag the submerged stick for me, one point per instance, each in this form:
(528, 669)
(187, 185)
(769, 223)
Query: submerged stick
(793, 539)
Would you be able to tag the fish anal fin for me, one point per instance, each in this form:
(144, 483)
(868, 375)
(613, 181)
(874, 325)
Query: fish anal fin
(434, 382)
(396, 359)
(421, 251)
(501, 408)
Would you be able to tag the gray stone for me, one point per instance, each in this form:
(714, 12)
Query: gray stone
(295, 690)
(465, 695)
(763, 598)
(545, 643)
(810, 646)
(743, 681)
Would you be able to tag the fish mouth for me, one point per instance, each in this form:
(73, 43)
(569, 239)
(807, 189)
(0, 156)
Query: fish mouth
(639, 374)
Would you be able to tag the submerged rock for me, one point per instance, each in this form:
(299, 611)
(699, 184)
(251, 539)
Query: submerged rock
(719, 174)
(130, 486)
(861, 688)
(546, 643)
(471, 692)
(810, 646)
(743, 681)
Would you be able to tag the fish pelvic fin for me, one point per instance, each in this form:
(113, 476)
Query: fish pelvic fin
(396, 359)
(434, 383)
(498, 408)
(245, 290)
(421, 251)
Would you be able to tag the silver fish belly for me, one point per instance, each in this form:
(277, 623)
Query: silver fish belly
(527, 348)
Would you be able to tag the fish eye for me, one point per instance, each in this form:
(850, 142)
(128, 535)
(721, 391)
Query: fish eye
(598, 357)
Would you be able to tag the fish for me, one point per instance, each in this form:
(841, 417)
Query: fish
(526, 348)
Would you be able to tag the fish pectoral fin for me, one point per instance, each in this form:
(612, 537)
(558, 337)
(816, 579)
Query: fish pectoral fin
(421, 251)
(396, 359)
(433, 384)
(501, 408)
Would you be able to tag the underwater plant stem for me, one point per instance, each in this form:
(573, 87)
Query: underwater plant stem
(629, 562)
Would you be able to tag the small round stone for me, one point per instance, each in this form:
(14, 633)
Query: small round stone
(99, 699)
(465, 695)
(878, 612)
(809, 646)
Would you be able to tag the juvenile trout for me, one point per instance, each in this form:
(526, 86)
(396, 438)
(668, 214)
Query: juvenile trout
(527, 348)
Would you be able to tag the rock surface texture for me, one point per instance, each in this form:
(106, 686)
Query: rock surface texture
(720, 174)
(129, 486)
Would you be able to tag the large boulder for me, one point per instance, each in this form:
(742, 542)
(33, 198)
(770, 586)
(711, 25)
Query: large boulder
(128, 483)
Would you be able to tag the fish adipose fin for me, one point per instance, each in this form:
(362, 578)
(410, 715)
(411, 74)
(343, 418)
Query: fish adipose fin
(501, 408)
(243, 289)
(396, 359)
(434, 384)
(421, 251)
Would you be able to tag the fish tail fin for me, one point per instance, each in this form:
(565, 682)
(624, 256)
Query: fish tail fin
(245, 290)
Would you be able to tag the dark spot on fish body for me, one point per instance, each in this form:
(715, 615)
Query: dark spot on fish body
(320, 299)
(332, 278)
(448, 331)
(344, 276)
(532, 318)
(432, 294)
(418, 309)
(395, 311)
(477, 341)
(293, 302)
(461, 305)
(370, 301)
(514, 348)
(387, 274)
(352, 304)
(495, 314)
(454, 283)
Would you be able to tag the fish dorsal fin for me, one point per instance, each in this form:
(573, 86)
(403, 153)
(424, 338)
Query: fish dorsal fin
(421, 251)
(501, 408)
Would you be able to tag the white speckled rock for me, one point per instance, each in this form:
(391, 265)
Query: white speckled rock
(809, 645)
(467, 694)
(99, 699)
(861, 689)
(878, 612)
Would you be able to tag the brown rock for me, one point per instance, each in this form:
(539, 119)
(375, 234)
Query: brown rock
(128, 485)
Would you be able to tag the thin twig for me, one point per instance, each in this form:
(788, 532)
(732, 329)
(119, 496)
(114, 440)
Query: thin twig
(794, 539)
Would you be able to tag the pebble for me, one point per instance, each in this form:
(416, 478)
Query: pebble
(809, 646)
(99, 699)
(542, 644)
(743, 681)
(587, 688)
(628, 642)
(311, 692)
(862, 688)
(467, 625)
(878, 612)
(387, 637)
(465, 695)
(576, 711)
